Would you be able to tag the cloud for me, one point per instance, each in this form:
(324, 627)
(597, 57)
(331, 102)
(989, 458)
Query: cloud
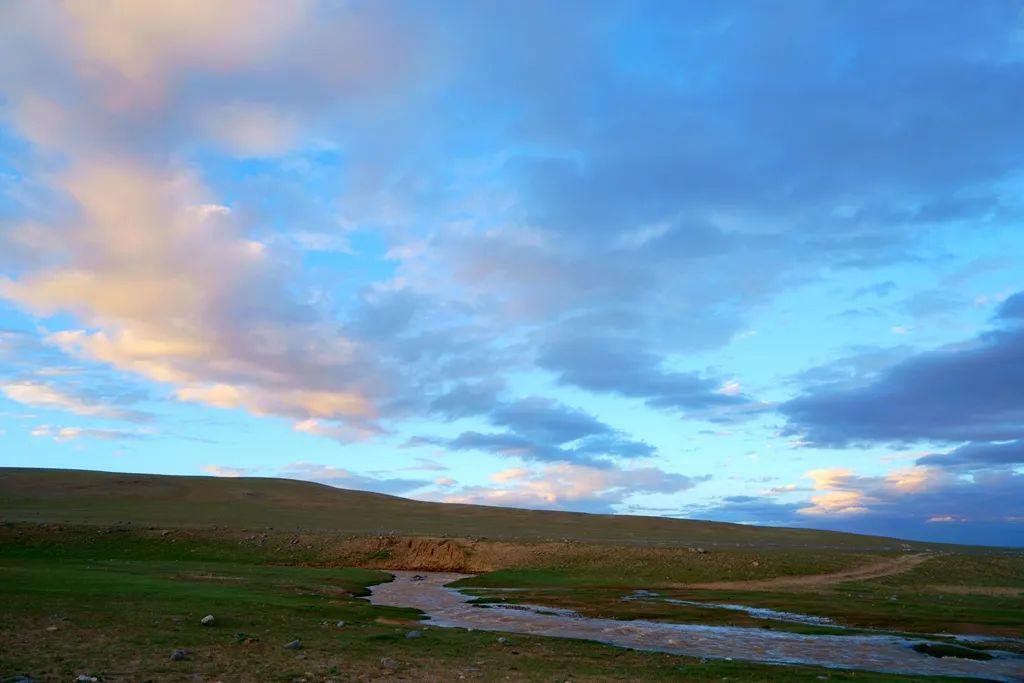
(170, 290)
(159, 278)
(977, 456)
(224, 471)
(41, 395)
(982, 507)
(61, 434)
(342, 478)
(567, 486)
(966, 392)
(615, 365)
(543, 429)
(339, 432)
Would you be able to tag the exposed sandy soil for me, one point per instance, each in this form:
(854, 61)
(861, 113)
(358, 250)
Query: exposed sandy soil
(874, 570)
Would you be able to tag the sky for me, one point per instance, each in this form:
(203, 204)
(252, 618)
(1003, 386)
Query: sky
(758, 262)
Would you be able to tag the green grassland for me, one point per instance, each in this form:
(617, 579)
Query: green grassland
(65, 612)
(106, 574)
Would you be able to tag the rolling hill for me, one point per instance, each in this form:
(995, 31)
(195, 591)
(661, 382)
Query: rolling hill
(199, 502)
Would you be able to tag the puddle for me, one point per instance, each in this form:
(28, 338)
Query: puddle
(450, 608)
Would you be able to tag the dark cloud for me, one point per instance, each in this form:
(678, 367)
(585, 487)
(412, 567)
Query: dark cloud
(468, 399)
(969, 392)
(542, 429)
(975, 456)
(546, 421)
(1012, 308)
(617, 365)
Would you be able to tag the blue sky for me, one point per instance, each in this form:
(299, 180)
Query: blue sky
(755, 262)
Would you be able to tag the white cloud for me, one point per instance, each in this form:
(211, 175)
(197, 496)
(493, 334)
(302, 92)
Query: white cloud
(570, 486)
(41, 395)
(61, 434)
(224, 471)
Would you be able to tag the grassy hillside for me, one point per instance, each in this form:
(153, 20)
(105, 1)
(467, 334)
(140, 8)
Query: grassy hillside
(103, 498)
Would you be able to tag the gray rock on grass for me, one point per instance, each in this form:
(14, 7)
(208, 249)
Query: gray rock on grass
(414, 634)
(207, 620)
(294, 645)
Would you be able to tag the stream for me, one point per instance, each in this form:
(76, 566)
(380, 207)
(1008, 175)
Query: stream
(447, 607)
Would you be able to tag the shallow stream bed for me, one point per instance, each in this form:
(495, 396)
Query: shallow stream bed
(447, 607)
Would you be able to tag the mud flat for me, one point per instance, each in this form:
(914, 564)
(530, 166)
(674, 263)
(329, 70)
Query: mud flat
(448, 607)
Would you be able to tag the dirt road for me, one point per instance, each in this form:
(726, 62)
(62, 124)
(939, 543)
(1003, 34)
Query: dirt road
(874, 570)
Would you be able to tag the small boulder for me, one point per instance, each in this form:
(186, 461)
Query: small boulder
(294, 645)
(85, 678)
(207, 620)
(503, 640)
(340, 624)
(414, 634)
(388, 663)
(180, 655)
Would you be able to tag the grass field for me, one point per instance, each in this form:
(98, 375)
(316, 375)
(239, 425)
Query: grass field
(106, 575)
(66, 612)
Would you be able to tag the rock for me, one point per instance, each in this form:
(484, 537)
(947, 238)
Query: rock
(294, 645)
(388, 663)
(414, 634)
(207, 620)
(19, 679)
(84, 678)
(418, 577)
(180, 655)
(701, 551)
(503, 640)
(340, 624)
(51, 628)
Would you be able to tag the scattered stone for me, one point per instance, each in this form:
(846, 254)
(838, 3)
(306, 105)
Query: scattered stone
(84, 678)
(19, 679)
(51, 629)
(755, 563)
(503, 640)
(388, 663)
(340, 624)
(207, 620)
(414, 634)
(418, 577)
(180, 655)
(294, 645)
(700, 551)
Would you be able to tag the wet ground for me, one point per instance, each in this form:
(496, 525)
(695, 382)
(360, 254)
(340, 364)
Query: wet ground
(448, 607)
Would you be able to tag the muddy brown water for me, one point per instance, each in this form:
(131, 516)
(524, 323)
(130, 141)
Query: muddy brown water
(447, 607)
